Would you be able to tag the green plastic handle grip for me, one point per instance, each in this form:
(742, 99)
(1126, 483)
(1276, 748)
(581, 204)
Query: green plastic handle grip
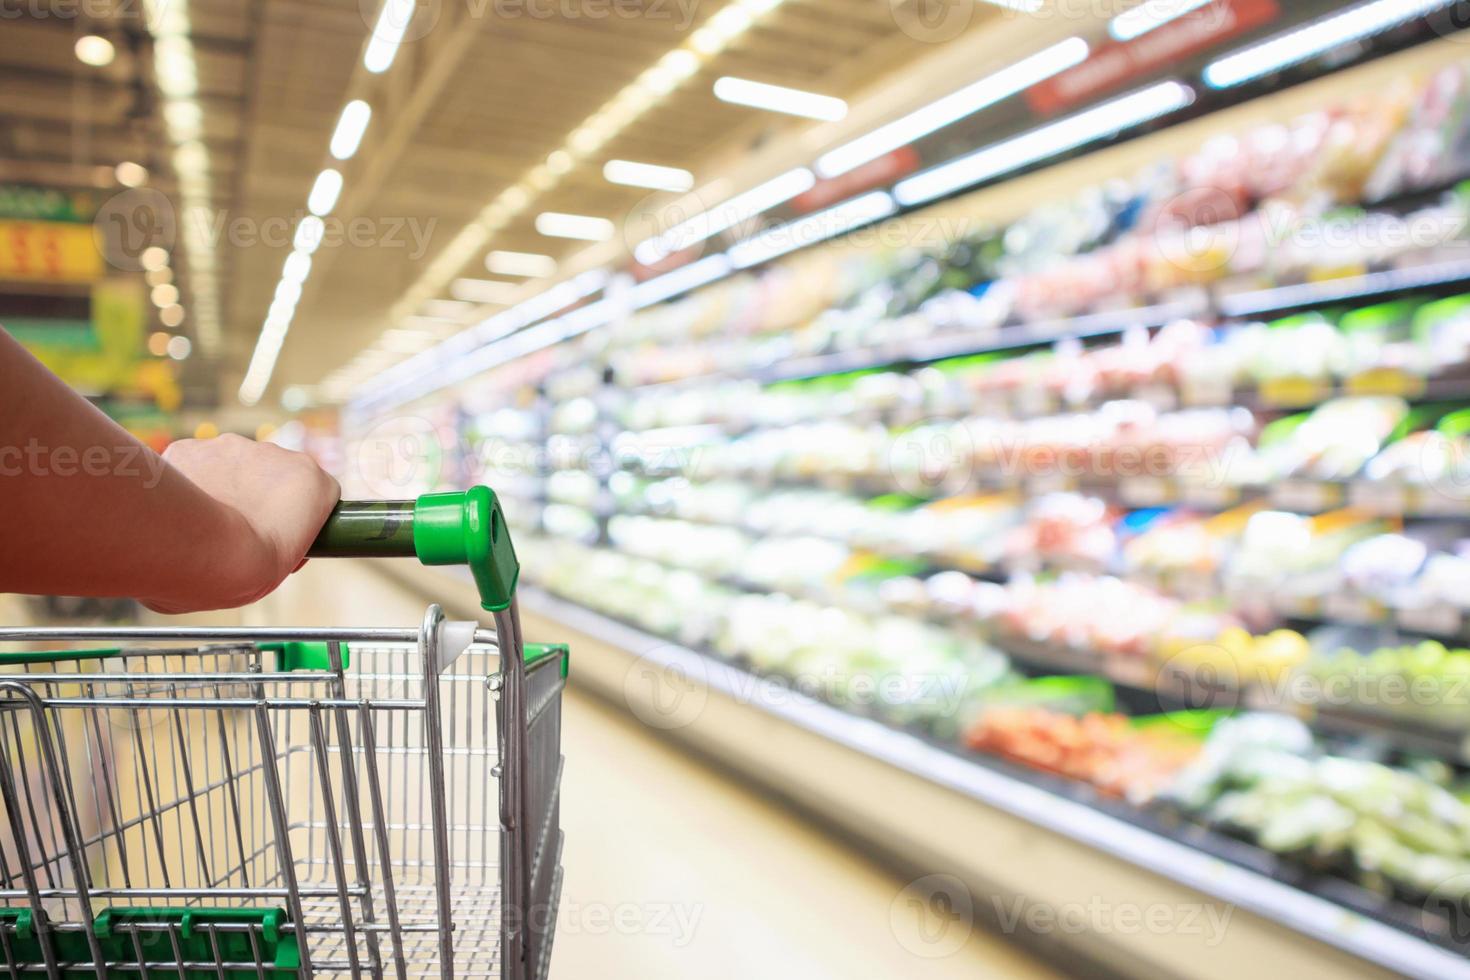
(465, 527)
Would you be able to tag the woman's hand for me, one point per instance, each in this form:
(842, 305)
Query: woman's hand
(273, 503)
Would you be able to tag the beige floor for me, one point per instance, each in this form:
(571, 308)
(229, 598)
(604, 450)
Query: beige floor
(673, 870)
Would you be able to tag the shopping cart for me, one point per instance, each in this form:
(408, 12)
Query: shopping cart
(253, 803)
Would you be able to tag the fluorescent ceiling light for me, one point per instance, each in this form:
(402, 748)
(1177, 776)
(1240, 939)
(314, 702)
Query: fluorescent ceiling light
(681, 280)
(437, 324)
(1045, 142)
(1316, 38)
(297, 267)
(779, 98)
(324, 192)
(540, 306)
(94, 50)
(387, 35)
(350, 127)
(401, 341)
(484, 290)
(448, 309)
(288, 293)
(739, 208)
(632, 174)
(527, 264)
(1148, 16)
(812, 229)
(309, 234)
(954, 107)
(584, 227)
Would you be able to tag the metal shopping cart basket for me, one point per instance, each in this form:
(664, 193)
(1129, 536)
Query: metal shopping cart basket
(236, 803)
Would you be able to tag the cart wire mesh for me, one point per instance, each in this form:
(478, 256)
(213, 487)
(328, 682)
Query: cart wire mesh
(271, 803)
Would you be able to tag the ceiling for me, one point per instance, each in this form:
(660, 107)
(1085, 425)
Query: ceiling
(478, 96)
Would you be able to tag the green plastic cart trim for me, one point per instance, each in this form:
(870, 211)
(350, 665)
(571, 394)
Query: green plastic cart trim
(537, 652)
(17, 657)
(294, 655)
(279, 952)
(468, 528)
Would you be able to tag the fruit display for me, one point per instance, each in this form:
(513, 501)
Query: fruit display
(1120, 756)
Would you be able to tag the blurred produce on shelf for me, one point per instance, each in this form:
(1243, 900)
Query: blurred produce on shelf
(1158, 494)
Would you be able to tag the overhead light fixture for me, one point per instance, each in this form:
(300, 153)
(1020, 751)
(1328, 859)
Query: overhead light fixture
(288, 293)
(401, 341)
(437, 324)
(495, 291)
(176, 75)
(447, 309)
(94, 50)
(724, 216)
(153, 258)
(130, 174)
(540, 306)
(681, 280)
(164, 294)
(158, 343)
(527, 264)
(324, 193)
(1045, 142)
(351, 126)
(387, 34)
(648, 175)
(611, 118)
(556, 224)
(779, 98)
(309, 234)
(179, 347)
(171, 316)
(297, 267)
(157, 277)
(1150, 15)
(812, 229)
(954, 107)
(1311, 40)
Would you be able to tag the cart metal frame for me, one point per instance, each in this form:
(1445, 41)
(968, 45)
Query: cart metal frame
(252, 803)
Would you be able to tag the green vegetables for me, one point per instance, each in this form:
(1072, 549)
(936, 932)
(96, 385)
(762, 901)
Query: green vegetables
(1394, 827)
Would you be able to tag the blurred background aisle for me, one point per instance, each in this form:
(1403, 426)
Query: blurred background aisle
(1020, 443)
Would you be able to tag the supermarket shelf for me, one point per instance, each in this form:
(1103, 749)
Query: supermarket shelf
(1023, 796)
(1283, 299)
(849, 771)
(1016, 337)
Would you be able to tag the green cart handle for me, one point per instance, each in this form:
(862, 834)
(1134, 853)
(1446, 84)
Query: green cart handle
(460, 528)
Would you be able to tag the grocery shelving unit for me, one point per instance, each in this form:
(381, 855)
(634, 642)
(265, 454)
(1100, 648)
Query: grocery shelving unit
(930, 804)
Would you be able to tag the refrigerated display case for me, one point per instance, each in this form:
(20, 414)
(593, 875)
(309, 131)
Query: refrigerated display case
(1134, 522)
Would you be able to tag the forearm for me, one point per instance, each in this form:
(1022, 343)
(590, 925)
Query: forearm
(89, 510)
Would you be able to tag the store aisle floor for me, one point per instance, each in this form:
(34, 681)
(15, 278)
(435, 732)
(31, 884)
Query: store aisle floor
(674, 870)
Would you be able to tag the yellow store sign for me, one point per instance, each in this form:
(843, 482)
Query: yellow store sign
(48, 251)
